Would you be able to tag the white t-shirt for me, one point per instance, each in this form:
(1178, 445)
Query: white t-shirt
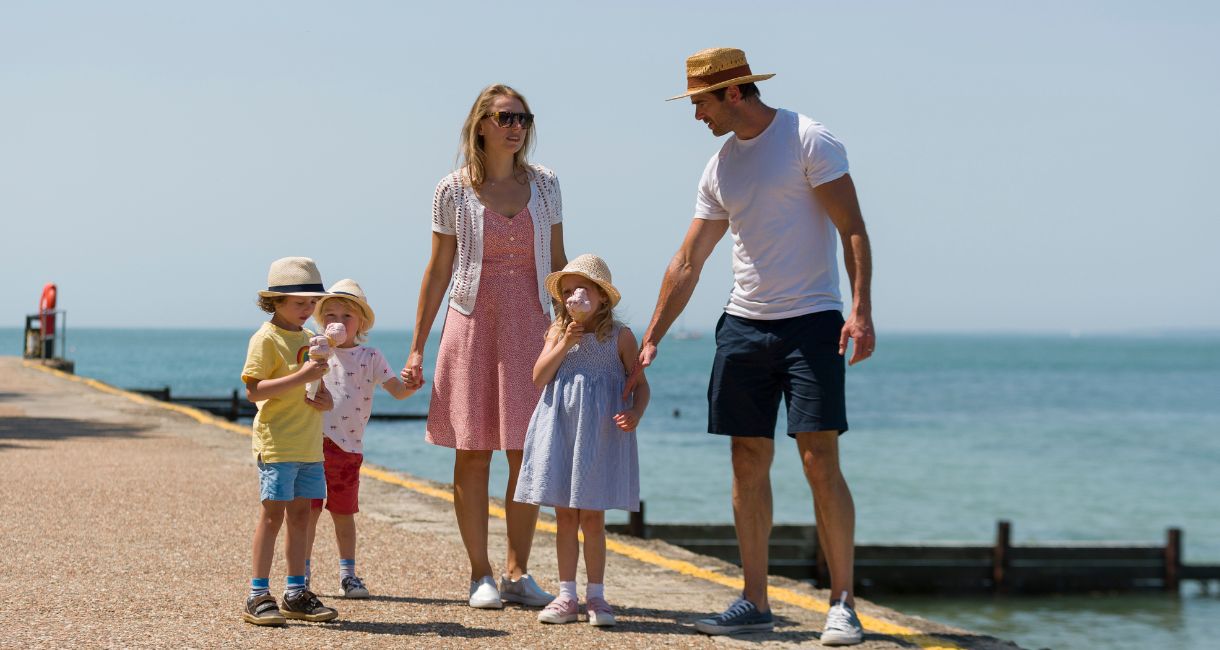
(785, 256)
(352, 379)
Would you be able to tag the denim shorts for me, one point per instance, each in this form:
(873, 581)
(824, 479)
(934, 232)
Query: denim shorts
(760, 361)
(288, 481)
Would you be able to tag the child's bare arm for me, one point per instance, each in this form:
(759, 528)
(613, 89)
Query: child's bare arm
(397, 388)
(258, 390)
(553, 352)
(629, 352)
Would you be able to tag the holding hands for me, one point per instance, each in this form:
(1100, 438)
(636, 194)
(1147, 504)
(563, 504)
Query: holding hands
(413, 373)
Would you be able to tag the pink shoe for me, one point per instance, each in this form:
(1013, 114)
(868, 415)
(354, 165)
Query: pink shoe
(600, 612)
(563, 609)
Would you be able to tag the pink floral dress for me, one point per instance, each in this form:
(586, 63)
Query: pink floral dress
(483, 392)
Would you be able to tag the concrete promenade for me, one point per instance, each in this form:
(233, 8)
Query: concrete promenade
(128, 522)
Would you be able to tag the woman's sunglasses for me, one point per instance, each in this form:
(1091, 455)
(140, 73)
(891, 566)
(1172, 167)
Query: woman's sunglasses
(505, 119)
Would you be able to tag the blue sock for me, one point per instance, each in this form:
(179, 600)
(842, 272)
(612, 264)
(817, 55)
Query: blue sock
(295, 584)
(347, 569)
(260, 586)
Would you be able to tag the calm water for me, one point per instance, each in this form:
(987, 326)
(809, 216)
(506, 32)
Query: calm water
(1089, 438)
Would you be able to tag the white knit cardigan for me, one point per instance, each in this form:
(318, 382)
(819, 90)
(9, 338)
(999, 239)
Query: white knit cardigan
(456, 210)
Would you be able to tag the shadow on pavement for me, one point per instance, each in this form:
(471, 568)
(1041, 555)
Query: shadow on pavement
(438, 628)
(15, 430)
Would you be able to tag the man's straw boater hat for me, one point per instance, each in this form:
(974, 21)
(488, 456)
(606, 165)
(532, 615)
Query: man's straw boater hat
(716, 68)
(293, 276)
(350, 290)
(589, 266)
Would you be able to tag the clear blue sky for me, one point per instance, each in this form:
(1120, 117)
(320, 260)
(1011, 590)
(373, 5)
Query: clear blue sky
(1022, 166)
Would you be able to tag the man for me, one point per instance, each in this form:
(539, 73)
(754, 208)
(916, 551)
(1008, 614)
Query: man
(780, 184)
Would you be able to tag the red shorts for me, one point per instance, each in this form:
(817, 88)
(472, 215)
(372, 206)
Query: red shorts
(342, 479)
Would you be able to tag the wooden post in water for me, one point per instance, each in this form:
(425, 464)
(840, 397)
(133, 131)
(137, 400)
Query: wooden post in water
(234, 407)
(999, 556)
(635, 522)
(1173, 559)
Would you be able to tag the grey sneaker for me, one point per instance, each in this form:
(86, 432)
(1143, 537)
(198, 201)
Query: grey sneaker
(842, 625)
(524, 591)
(262, 610)
(353, 587)
(741, 616)
(484, 595)
(304, 606)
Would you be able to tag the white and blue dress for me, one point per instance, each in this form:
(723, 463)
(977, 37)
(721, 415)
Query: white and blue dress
(575, 455)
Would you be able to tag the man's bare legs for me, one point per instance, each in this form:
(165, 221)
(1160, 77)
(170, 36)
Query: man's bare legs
(752, 513)
(833, 507)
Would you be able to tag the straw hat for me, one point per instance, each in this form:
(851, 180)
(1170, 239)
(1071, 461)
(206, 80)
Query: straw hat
(717, 68)
(347, 289)
(293, 276)
(588, 266)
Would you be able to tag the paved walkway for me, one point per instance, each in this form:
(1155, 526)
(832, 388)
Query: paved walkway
(128, 522)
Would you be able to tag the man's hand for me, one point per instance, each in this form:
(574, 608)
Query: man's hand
(859, 328)
(648, 352)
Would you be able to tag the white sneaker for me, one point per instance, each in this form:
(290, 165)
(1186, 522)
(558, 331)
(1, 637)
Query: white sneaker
(484, 595)
(524, 591)
(842, 625)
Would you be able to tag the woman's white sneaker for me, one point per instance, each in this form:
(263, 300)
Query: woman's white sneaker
(484, 595)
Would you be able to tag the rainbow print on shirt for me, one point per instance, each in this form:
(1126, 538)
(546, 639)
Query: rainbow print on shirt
(303, 355)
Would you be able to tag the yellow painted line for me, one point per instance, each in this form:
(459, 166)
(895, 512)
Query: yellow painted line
(781, 594)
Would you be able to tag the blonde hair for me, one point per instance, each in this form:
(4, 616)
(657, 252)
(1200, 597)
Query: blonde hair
(601, 322)
(362, 335)
(473, 156)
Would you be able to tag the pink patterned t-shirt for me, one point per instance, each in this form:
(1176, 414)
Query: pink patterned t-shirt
(352, 379)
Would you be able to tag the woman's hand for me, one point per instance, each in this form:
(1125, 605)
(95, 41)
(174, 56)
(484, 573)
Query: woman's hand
(413, 373)
(572, 335)
(627, 420)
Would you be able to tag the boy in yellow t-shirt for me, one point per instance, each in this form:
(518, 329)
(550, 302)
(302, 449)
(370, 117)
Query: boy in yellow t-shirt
(287, 438)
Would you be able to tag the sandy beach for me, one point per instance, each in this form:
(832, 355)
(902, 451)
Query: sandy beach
(128, 523)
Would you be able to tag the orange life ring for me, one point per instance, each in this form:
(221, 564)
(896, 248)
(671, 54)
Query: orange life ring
(46, 305)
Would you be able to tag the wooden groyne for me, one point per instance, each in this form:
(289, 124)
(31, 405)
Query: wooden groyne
(236, 406)
(953, 568)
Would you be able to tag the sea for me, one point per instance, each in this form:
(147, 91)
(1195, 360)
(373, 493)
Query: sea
(1069, 437)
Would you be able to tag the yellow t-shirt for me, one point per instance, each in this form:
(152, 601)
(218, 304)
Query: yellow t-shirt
(286, 429)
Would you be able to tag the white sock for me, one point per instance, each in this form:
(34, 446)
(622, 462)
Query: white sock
(568, 589)
(595, 590)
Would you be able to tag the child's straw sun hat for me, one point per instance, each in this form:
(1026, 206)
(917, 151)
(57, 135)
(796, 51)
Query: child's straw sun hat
(348, 289)
(293, 276)
(588, 266)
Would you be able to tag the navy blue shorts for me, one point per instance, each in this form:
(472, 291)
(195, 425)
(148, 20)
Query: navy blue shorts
(759, 361)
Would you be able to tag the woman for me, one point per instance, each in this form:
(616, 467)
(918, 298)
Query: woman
(496, 234)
